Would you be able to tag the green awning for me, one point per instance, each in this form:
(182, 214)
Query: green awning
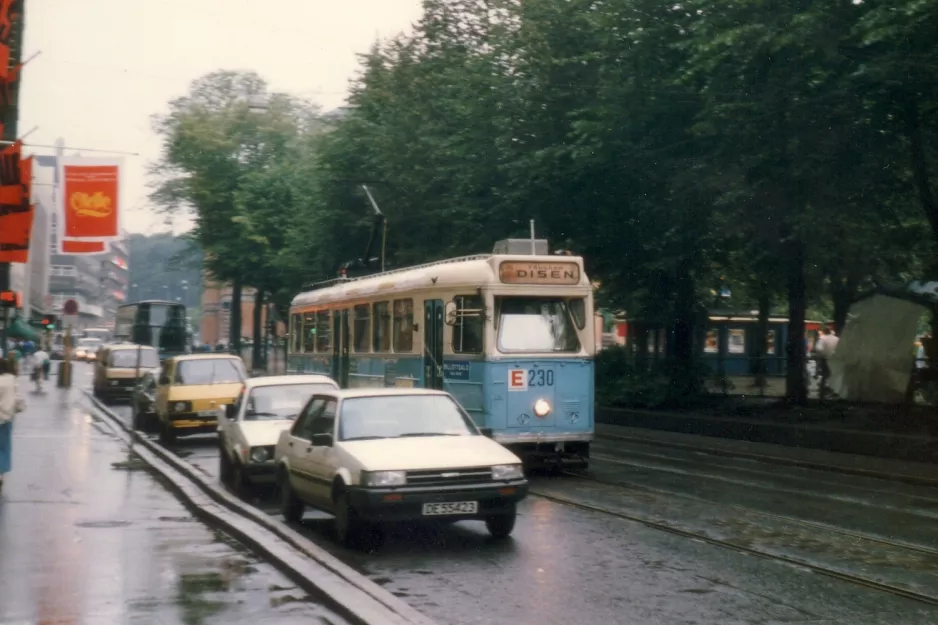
(19, 329)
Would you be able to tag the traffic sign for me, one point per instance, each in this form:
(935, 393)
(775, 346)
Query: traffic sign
(70, 307)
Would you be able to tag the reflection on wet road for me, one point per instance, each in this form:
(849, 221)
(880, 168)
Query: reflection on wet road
(89, 536)
(572, 565)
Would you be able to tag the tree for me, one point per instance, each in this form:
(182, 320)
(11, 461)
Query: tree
(219, 160)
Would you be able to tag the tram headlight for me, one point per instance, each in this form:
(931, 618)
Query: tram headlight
(507, 472)
(541, 408)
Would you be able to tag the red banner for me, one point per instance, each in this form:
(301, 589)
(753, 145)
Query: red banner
(83, 247)
(90, 200)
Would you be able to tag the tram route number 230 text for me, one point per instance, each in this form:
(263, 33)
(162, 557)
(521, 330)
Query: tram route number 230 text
(521, 379)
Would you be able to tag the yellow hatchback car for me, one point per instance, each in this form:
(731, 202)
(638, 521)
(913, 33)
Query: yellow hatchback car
(190, 390)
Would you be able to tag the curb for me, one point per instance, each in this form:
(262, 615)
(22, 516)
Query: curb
(917, 480)
(342, 588)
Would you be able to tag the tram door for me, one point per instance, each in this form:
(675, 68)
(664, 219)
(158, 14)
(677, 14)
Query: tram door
(340, 338)
(433, 344)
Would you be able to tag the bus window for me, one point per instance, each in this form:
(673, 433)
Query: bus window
(362, 329)
(467, 332)
(297, 333)
(323, 332)
(309, 332)
(403, 325)
(382, 327)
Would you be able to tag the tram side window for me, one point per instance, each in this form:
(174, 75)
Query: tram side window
(382, 327)
(297, 344)
(362, 343)
(403, 325)
(467, 332)
(323, 332)
(309, 332)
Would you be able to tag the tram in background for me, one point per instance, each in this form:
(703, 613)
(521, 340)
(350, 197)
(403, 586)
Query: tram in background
(159, 324)
(509, 334)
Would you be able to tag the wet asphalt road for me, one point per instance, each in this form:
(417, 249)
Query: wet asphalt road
(567, 564)
(88, 536)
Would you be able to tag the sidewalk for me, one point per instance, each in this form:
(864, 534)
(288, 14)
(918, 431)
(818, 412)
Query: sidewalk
(89, 537)
(886, 468)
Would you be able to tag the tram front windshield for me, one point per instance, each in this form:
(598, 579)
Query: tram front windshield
(535, 324)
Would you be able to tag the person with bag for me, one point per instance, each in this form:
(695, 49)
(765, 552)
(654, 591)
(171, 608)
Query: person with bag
(10, 404)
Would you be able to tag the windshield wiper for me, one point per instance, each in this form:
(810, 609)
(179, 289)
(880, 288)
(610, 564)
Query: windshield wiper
(261, 414)
(363, 438)
(413, 434)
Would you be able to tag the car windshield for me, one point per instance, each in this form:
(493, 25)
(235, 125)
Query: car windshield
(127, 358)
(209, 371)
(89, 344)
(535, 324)
(402, 416)
(283, 401)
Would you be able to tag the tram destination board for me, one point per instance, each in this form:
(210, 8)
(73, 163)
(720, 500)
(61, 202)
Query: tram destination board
(523, 272)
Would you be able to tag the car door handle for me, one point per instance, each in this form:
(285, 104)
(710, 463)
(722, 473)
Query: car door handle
(309, 449)
(290, 444)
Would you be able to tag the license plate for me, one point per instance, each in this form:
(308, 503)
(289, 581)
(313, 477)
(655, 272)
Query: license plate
(207, 413)
(455, 507)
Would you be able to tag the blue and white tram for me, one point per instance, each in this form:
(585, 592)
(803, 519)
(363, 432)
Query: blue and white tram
(509, 335)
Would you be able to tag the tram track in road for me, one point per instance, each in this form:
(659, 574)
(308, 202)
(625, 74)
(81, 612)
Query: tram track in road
(796, 562)
(896, 550)
(770, 515)
(628, 485)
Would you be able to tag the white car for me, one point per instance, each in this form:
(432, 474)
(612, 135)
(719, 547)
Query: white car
(249, 429)
(372, 456)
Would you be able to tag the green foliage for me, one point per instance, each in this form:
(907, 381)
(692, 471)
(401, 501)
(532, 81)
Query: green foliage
(784, 151)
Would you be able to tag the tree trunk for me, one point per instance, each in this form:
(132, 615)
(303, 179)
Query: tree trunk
(683, 375)
(234, 331)
(257, 332)
(919, 162)
(796, 391)
(762, 337)
(842, 295)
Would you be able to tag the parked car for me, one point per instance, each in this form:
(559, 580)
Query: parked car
(119, 367)
(191, 388)
(371, 456)
(249, 428)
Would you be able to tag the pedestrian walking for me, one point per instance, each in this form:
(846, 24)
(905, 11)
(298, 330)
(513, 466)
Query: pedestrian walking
(39, 367)
(824, 348)
(10, 404)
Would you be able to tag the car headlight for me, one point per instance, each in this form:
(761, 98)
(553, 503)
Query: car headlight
(507, 472)
(181, 406)
(384, 478)
(541, 408)
(260, 454)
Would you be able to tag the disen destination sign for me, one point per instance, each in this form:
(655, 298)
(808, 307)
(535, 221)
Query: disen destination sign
(521, 272)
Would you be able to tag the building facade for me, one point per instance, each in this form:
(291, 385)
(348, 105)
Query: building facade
(216, 313)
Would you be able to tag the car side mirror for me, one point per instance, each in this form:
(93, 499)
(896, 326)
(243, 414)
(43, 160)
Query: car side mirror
(487, 432)
(322, 440)
(230, 411)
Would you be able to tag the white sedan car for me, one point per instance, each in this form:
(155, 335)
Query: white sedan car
(372, 456)
(249, 429)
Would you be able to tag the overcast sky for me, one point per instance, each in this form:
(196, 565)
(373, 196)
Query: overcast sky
(108, 65)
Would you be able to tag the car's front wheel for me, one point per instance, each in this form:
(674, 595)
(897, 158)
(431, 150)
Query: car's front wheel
(290, 505)
(348, 526)
(502, 525)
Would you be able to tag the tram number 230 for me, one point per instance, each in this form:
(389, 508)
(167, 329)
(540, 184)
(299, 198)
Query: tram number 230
(521, 379)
